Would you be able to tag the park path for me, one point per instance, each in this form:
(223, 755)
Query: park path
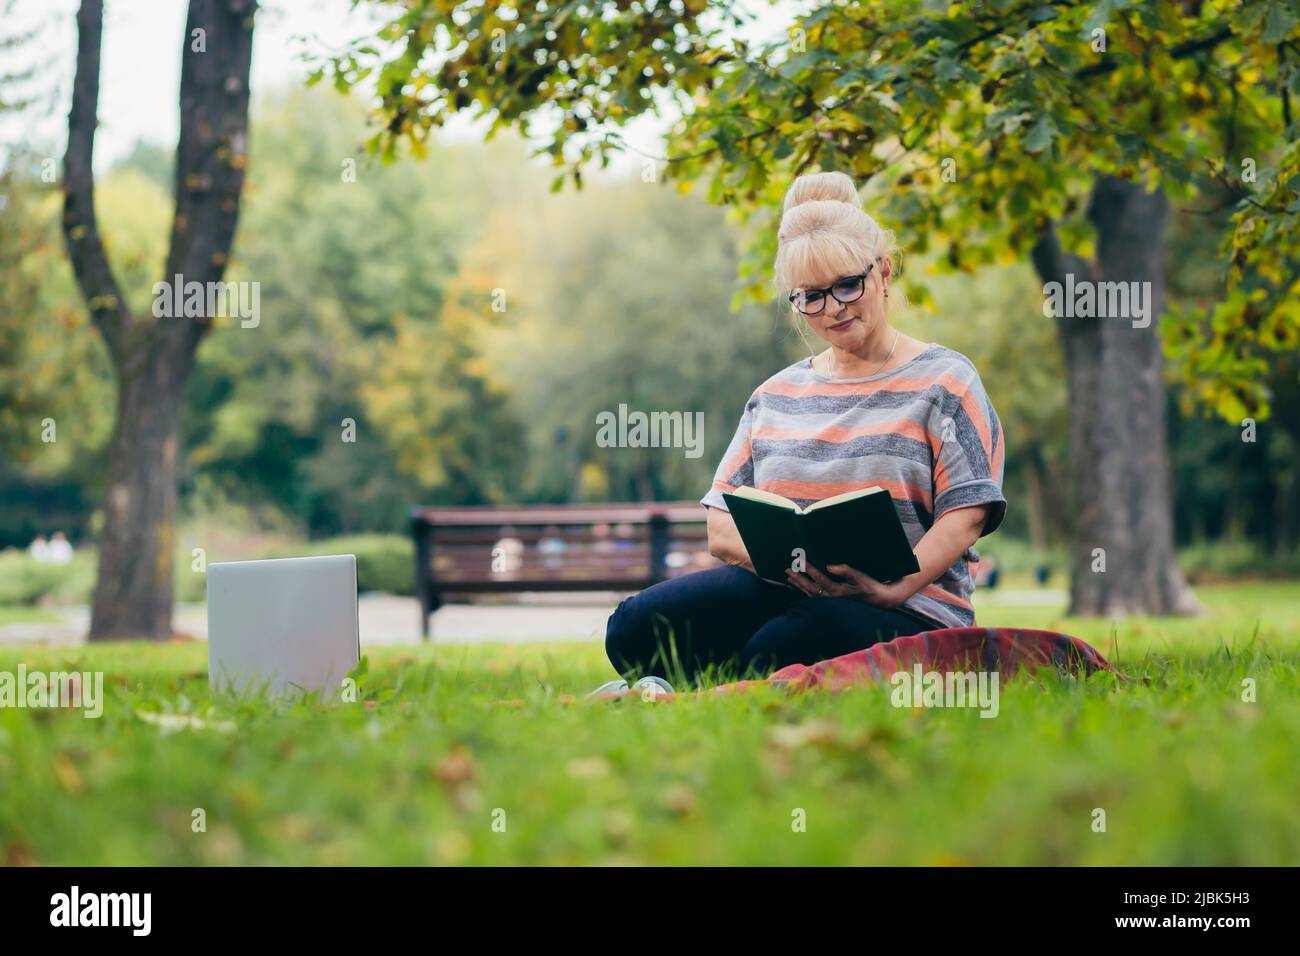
(385, 619)
(390, 619)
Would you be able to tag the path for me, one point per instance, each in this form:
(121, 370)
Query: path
(384, 619)
(389, 619)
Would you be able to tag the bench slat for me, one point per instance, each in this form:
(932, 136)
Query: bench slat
(640, 543)
(492, 516)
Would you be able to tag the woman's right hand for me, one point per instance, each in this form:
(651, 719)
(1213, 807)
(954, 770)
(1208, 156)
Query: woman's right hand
(725, 543)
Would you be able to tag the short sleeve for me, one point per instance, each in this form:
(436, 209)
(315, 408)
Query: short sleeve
(737, 466)
(968, 450)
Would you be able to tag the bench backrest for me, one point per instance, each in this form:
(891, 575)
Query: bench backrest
(570, 547)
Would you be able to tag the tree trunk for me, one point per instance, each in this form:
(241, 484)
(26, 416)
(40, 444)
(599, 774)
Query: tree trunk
(1284, 383)
(1123, 544)
(153, 356)
(1037, 503)
(133, 591)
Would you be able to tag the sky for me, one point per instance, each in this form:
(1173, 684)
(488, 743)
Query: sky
(141, 67)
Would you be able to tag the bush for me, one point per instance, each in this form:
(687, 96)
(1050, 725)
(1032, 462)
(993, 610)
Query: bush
(26, 582)
(191, 587)
(1223, 560)
(1204, 563)
(385, 562)
(1015, 556)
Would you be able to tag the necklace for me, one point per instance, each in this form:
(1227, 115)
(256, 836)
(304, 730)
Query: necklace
(831, 370)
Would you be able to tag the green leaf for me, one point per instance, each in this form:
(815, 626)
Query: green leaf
(946, 68)
(1040, 135)
(1099, 17)
(1278, 24)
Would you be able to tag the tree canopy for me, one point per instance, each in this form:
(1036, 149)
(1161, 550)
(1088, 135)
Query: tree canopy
(979, 125)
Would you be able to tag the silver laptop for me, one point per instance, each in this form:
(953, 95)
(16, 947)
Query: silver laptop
(283, 624)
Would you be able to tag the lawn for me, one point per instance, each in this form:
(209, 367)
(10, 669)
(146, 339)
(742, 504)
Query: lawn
(481, 755)
(17, 614)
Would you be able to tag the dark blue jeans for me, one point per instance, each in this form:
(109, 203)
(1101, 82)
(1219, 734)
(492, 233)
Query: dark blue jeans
(729, 619)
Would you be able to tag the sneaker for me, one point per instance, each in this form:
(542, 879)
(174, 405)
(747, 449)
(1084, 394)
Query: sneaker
(612, 687)
(660, 686)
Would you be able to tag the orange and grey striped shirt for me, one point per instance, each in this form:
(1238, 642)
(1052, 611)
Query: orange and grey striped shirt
(926, 431)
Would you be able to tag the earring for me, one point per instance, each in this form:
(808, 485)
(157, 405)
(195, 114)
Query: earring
(886, 292)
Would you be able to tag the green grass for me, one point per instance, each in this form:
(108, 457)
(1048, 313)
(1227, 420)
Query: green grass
(19, 614)
(1185, 771)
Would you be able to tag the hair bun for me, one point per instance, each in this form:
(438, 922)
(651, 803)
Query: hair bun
(818, 187)
(825, 230)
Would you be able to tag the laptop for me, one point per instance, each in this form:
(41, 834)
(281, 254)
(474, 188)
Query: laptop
(285, 624)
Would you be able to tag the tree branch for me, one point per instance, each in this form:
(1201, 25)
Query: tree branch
(80, 229)
(212, 151)
(1178, 52)
(1051, 261)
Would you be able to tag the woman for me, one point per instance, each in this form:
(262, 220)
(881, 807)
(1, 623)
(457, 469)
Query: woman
(875, 407)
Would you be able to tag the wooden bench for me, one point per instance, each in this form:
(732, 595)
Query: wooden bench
(499, 550)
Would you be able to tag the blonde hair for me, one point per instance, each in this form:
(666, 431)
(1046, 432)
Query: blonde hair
(824, 228)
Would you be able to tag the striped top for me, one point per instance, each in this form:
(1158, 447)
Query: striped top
(926, 431)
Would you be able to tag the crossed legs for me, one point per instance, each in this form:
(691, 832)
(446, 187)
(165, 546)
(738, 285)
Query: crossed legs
(729, 619)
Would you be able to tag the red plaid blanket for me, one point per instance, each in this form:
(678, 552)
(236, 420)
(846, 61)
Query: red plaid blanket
(1006, 650)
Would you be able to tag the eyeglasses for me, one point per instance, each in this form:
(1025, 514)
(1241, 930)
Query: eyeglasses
(845, 290)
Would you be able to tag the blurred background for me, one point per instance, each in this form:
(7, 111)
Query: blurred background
(623, 292)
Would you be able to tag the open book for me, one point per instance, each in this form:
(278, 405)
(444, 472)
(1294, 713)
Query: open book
(858, 528)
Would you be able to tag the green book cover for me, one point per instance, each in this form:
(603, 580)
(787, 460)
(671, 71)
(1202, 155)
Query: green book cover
(858, 528)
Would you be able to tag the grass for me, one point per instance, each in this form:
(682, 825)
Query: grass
(450, 740)
(18, 614)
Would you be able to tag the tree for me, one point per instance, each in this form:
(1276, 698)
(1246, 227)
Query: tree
(438, 407)
(602, 315)
(986, 126)
(357, 263)
(152, 357)
(987, 322)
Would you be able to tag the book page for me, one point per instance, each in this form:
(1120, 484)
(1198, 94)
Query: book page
(846, 496)
(768, 497)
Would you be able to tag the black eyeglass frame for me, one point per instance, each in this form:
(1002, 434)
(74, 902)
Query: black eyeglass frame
(830, 290)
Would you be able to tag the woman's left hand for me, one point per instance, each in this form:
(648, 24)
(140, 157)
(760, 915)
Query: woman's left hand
(856, 585)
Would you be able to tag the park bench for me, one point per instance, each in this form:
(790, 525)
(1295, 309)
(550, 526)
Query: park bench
(500, 550)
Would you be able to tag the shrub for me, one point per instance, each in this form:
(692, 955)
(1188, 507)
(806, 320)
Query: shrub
(385, 562)
(1223, 560)
(26, 581)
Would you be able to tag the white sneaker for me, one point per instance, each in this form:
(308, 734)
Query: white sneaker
(612, 687)
(660, 685)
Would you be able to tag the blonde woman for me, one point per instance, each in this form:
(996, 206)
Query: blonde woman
(874, 407)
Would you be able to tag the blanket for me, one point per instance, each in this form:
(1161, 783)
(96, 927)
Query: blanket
(1005, 650)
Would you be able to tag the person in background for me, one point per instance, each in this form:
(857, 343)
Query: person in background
(59, 550)
(39, 549)
(986, 574)
(507, 556)
(552, 547)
